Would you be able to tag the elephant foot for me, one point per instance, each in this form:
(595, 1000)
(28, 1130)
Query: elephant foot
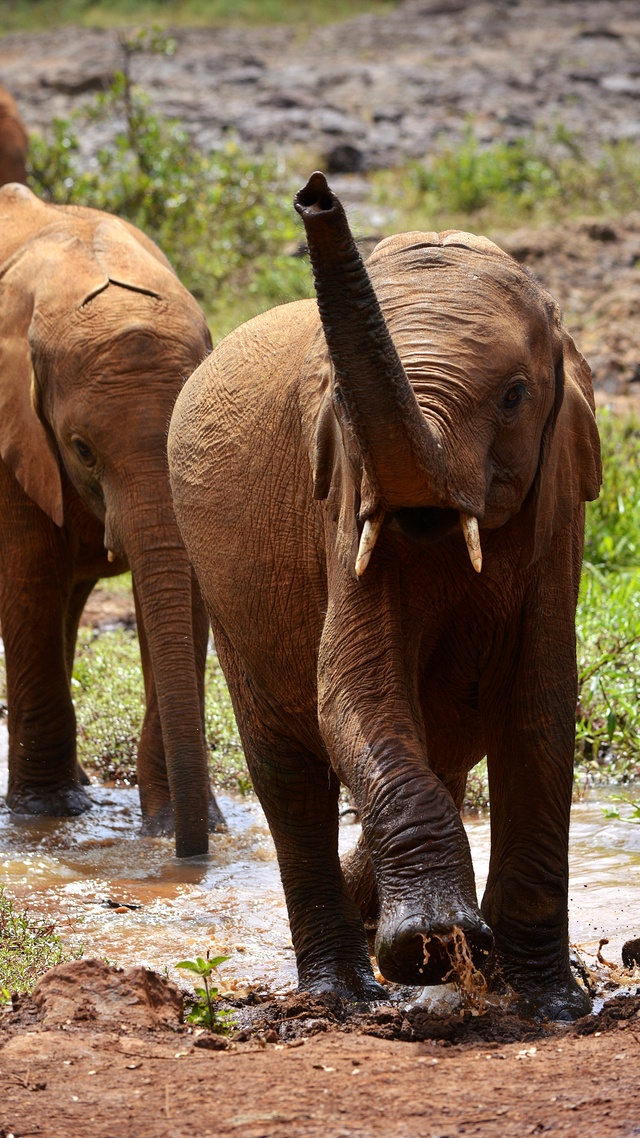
(349, 985)
(419, 952)
(560, 1002)
(65, 802)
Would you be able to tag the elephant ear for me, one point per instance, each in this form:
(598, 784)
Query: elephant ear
(24, 444)
(48, 279)
(332, 460)
(570, 470)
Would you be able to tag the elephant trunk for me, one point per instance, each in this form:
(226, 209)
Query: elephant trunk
(164, 585)
(399, 448)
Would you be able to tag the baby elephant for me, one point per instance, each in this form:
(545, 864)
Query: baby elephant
(96, 337)
(382, 495)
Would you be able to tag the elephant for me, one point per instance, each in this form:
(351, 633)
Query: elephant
(382, 494)
(96, 337)
(13, 141)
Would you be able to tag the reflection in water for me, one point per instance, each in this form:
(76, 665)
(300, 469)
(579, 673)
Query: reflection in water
(231, 901)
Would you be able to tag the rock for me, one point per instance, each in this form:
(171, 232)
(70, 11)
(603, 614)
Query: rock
(91, 993)
(344, 159)
(631, 953)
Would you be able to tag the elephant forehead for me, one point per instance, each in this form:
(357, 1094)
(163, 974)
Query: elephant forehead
(416, 239)
(439, 303)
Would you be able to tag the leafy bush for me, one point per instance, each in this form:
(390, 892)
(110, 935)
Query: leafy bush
(535, 175)
(28, 947)
(225, 219)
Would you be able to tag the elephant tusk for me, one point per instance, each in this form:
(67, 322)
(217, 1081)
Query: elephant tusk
(472, 537)
(110, 555)
(370, 532)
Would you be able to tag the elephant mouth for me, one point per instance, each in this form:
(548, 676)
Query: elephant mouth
(426, 525)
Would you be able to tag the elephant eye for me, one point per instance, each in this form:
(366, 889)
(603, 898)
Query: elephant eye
(514, 396)
(84, 452)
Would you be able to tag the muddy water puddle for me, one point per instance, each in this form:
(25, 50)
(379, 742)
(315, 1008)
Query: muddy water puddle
(129, 899)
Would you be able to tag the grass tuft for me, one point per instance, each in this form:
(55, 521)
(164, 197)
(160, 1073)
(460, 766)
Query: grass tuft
(28, 948)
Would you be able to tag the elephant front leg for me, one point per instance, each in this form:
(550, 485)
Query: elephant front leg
(299, 795)
(530, 760)
(44, 776)
(298, 792)
(372, 727)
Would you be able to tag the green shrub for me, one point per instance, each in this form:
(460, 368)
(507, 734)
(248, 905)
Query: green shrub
(535, 176)
(28, 948)
(225, 220)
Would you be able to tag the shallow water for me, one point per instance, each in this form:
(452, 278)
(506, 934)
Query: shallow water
(231, 901)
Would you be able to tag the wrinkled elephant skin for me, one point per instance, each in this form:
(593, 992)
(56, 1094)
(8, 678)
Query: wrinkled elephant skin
(96, 338)
(382, 495)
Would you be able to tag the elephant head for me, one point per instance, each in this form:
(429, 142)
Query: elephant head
(467, 430)
(98, 336)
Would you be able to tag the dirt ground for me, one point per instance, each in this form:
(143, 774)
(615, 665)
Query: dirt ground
(322, 1075)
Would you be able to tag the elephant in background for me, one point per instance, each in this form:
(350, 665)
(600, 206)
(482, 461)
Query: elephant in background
(382, 496)
(96, 337)
(13, 141)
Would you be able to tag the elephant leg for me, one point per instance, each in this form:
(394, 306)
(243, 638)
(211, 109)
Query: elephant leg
(299, 795)
(359, 872)
(530, 761)
(43, 770)
(360, 878)
(298, 792)
(153, 781)
(75, 605)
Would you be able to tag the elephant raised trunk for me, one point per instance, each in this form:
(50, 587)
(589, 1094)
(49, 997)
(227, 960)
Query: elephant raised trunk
(397, 445)
(399, 449)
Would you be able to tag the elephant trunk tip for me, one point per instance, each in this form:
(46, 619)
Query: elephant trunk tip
(315, 197)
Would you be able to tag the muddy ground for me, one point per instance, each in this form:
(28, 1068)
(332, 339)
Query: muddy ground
(307, 1069)
(384, 87)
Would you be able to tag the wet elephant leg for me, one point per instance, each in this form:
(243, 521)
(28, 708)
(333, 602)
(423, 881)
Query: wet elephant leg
(75, 605)
(530, 759)
(373, 729)
(43, 771)
(153, 781)
(299, 795)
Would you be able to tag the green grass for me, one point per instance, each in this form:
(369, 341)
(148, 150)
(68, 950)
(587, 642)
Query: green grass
(41, 15)
(108, 695)
(28, 947)
(538, 177)
(608, 622)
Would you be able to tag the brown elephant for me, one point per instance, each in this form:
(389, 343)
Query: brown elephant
(96, 337)
(13, 141)
(322, 461)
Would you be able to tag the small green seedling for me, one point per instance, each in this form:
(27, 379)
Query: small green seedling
(203, 1010)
